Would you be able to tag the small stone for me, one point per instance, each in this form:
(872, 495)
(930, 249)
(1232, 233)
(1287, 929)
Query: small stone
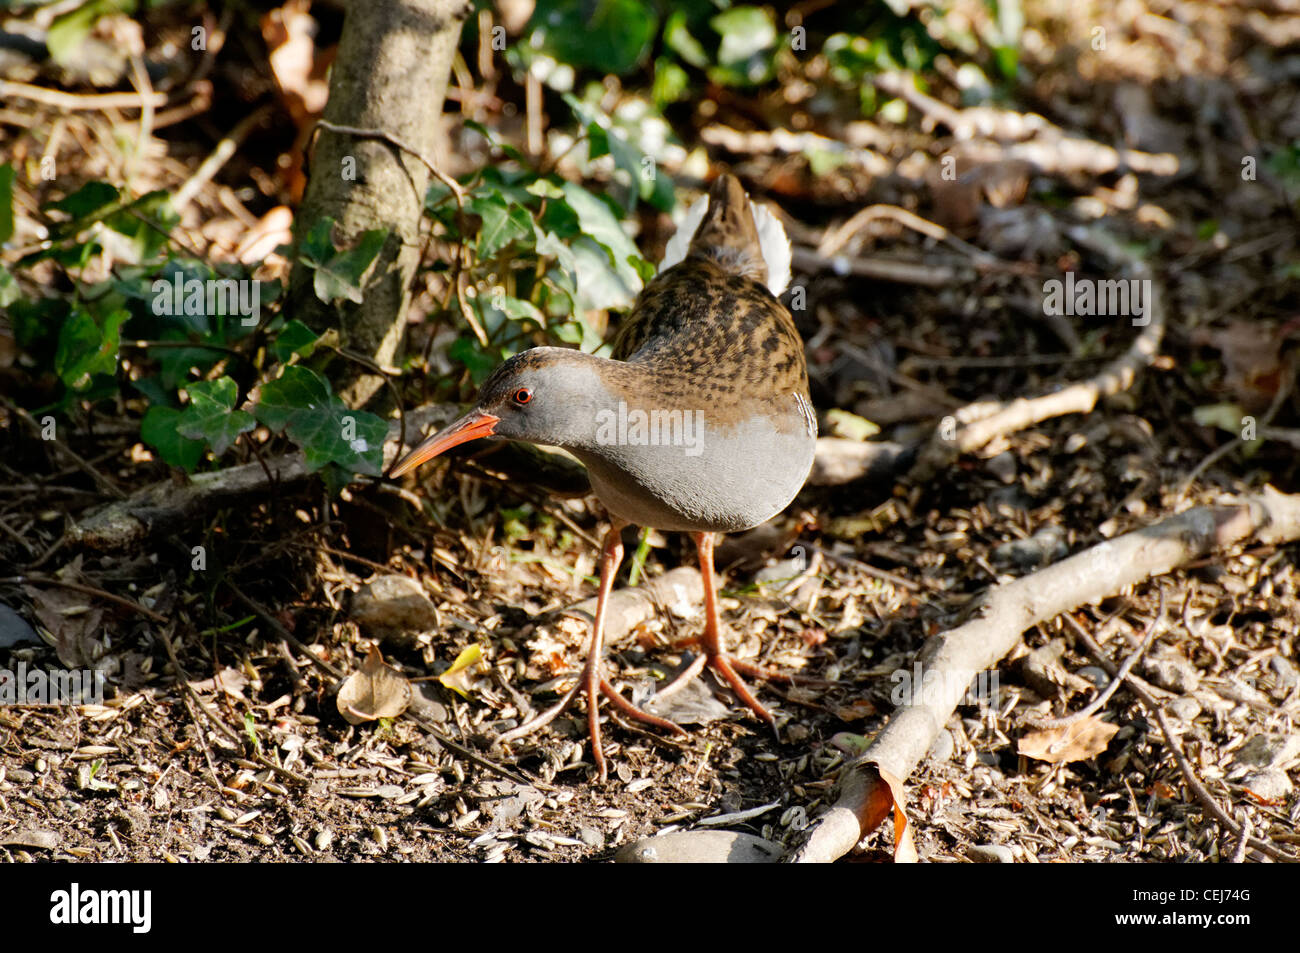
(1184, 707)
(1169, 669)
(990, 854)
(1267, 751)
(14, 629)
(941, 748)
(1043, 548)
(1271, 784)
(1288, 676)
(1003, 466)
(700, 847)
(1098, 676)
(591, 837)
(394, 608)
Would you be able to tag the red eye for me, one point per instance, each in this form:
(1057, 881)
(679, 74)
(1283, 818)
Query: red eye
(523, 396)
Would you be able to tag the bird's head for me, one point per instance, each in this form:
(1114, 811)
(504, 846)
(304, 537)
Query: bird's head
(547, 395)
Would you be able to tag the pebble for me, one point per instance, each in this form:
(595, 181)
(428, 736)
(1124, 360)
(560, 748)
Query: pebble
(1265, 751)
(591, 837)
(990, 854)
(1184, 707)
(393, 607)
(1098, 676)
(1044, 547)
(700, 847)
(1171, 670)
(1003, 466)
(1271, 784)
(942, 747)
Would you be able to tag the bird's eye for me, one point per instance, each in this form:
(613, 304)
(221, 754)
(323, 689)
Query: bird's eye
(522, 396)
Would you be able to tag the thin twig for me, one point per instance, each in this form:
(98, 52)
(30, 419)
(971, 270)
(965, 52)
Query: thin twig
(40, 580)
(1189, 775)
(1148, 637)
(72, 102)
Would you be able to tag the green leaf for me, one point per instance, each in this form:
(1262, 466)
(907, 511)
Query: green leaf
(295, 338)
(68, 30)
(614, 37)
(149, 221)
(602, 287)
(301, 404)
(6, 202)
(85, 348)
(467, 351)
(338, 274)
(503, 222)
(545, 188)
(211, 415)
(341, 276)
(748, 37)
(670, 83)
(159, 430)
(91, 198)
(678, 38)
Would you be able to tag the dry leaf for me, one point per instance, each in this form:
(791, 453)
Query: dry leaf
(458, 676)
(377, 691)
(73, 623)
(885, 793)
(856, 711)
(232, 681)
(1076, 741)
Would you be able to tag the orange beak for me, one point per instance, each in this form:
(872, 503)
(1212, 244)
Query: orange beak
(473, 425)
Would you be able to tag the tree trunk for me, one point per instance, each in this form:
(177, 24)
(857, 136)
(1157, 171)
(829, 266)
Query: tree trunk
(390, 76)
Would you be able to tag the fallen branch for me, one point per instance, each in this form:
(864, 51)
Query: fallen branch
(129, 522)
(1087, 577)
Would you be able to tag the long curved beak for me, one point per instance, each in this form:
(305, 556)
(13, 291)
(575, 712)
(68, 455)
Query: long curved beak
(473, 425)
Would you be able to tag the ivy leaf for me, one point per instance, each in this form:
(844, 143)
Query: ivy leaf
(86, 349)
(611, 36)
(294, 338)
(159, 430)
(602, 232)
(88, 201)
(301, 404)
(467, 351)
(748, 38)
(338, 274)
(211, 415)
(503, 223)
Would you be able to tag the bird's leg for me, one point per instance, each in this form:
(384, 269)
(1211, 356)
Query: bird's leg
(716, 658)
(591, 680)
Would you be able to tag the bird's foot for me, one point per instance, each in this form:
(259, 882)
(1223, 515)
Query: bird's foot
(727, 668)
(593, 682)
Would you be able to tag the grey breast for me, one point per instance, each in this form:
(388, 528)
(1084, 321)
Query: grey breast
(693, 475)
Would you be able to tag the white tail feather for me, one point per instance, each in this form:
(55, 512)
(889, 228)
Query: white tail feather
(772, 241)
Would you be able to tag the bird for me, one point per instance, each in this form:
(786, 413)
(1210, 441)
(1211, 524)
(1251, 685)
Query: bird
(699, 421)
